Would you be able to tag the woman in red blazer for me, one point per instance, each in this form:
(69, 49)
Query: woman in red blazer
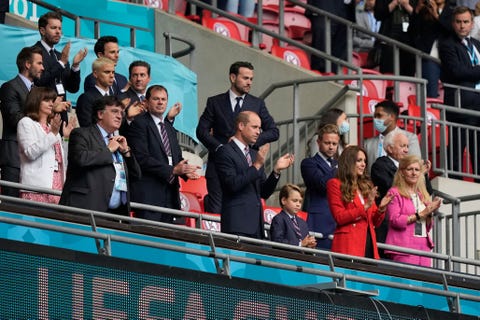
(351, 198)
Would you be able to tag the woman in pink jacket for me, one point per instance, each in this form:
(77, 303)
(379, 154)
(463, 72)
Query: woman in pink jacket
(410, 212)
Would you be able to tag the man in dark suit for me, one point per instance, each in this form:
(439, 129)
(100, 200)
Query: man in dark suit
(139, 77)
(57, 74)
(13, 94)
(383, 171)
(217, 124)
(286, 226)
(103, 73)
(338, 32)
(243, 180)
(107, 46)
(100, 165)
(460, 66)
(154, 143)
(316, 171)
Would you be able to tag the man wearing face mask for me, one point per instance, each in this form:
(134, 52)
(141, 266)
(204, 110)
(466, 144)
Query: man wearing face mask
(385, 121)
(331, 116)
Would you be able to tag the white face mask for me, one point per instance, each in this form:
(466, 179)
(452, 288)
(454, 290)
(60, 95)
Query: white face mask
(379, 125)
(344, 127)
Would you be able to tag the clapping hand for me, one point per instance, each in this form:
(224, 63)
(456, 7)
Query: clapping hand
(67, 128)
(284, 162)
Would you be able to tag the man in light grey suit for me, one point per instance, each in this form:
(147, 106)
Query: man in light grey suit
(13, 94)
(364, 17)
(385, 121)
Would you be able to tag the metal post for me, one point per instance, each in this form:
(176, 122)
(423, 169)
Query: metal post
(296, 135)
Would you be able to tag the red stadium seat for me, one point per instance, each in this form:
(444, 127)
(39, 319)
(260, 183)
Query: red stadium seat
(196, 187)
(292, 55)
(368, 110)
(225, 27)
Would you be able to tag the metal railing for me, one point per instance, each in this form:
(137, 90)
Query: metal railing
(453, 298)
(96, 22)
(449, 261)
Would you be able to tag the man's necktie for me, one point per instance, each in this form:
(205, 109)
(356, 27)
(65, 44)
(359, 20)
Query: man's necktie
(333, 162)
(164, 136)
(52, 54)
(381, 151)
(110, 91)
(142, 98)
(471, 51)
(237, 105)
(296, 228)
(248, 156)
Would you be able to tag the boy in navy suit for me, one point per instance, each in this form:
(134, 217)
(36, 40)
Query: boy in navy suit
(286, 226)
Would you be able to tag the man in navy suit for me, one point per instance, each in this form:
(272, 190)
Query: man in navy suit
(316, 171)
(461, 66)
(217, 124)
(107, 46)
(57, 74)
(155, 145)
(243, 180)
(103, 73)
(286, 226)
(13, 94)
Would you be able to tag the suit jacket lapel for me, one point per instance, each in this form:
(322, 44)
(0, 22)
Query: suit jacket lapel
(21, 85)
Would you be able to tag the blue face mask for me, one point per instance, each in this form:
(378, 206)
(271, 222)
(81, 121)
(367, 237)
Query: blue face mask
(379, 125)
(344, 127)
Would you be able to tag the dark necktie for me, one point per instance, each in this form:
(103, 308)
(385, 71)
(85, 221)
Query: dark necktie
(248, 156)
(296, 228)
(333, 162)
(110, 91)
(471, 51)
(52, 54)
(237, 105)
(165, 141)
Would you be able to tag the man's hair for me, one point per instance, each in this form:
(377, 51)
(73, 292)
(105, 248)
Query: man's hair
(26, 55)
(138, 63)
(155, 87)
(100, 62)
(285, 192)
(389, 107)
(35, 98)
(326, 129)
(43, 20)
(461, 10)
(243, 117)
(390, 138)
(102, 103)
(235, 67)
(101, 42)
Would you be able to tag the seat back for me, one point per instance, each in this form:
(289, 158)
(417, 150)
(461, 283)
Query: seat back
(291, 55)
(225, 27)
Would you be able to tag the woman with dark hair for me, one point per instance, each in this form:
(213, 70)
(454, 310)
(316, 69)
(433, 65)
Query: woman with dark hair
(351, 197)
(332, 116)
(410, 213)
(42, 156)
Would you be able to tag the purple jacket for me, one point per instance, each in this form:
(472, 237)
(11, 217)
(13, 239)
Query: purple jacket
(399, 232)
